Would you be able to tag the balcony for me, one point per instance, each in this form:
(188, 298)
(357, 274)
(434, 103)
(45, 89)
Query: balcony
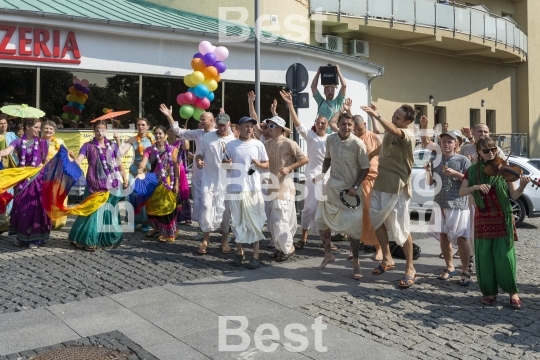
(462, 29)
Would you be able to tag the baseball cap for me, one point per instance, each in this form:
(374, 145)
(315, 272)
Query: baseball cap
(245, 119)
(223, 119)
(452, 134)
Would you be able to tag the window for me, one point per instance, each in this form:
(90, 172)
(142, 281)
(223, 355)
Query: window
(491, 120)
(421, 110)
(17, 86)
(440, 115)
(525, 171)
(421, 157)
(475, 117)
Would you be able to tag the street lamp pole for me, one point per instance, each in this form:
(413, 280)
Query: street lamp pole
(257, 61)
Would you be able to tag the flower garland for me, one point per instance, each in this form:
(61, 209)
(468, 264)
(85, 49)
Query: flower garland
(111, 178)
(35, 151)
(139, 145)
(56, 144)
(160, 167)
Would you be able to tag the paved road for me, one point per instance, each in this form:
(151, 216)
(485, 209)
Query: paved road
(433, 319)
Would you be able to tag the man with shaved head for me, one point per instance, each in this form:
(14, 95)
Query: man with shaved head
(206, 124)
(330, 103)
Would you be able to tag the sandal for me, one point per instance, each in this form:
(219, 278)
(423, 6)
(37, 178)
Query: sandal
(225, 250)
(447, 274)
(515, 304)
(471, 265)
(467, 281)
(441, 256)
(379, 270)
(407, 281)
(238, 259)
(285, 257)
(486, 300)
(162, 239)
(299, 245)
(357, 276)
(334, 248)
(202, 249)
(276, 254)
(456, 255)
(152, 233)
(90, 248)
(18, 243)
(350, 257)
(32, 246)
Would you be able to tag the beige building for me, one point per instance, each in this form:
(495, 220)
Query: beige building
(457, 62)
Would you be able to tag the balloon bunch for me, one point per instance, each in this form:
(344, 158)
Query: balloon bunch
(78, 94)
(207, 67)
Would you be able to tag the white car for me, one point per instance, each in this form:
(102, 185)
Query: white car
(527, 205)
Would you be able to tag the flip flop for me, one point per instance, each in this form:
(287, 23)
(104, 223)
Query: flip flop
(456, 255)
(450, 274)
(357, 276)
(379, 270)
(299, 245)
(465, 282)
(408, 281)
(151, 233)
(226, 251)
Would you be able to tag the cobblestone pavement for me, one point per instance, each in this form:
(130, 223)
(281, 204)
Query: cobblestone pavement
(437, 319)
(112, 340)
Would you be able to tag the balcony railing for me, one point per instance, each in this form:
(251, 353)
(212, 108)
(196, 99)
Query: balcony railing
(431, 14)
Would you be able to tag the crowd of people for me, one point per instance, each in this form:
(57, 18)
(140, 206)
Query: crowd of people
(358, 186)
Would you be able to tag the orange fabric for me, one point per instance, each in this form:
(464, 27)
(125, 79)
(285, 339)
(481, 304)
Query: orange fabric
(368, 232)
(370, 139)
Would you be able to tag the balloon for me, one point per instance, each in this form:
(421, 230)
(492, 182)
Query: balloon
(189, 98)
(220, 66)
(201, 91)
(71, 98)
(210, 72)
(85, 90)
(66, 107)
(65, 115)
(186, 111)
(188, 81)
(71, 116)
(105, 110)
(78, 93)
(85, 83)
(72, 90)
(197, 77)
(191, 89)
(218, 78)
(76, 118)
(205, 47)
(202, 103)
(180, 99)
(198, 64)
(209, 59)
(85, 97)
(210, 84)
(210, 96)
(77, 86)
(198, 55)
(80, 100)
(76, 80)
(221, 53)
(77, 112)
(197, 113)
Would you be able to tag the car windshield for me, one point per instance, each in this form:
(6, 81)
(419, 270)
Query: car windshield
(535, 163)
(421, 158)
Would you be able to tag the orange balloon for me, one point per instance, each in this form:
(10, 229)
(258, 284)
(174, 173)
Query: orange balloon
(210, 72)
(198, 64)
(218, 78)
(72, 90)
(78, 93)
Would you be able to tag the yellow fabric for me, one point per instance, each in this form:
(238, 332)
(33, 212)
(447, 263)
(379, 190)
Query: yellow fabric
(89, 206)
(53, 149)
(13, 176)
(162, 202)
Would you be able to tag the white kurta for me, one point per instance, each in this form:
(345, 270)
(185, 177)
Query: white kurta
(316, 149)
(195, 135)
(214, 210)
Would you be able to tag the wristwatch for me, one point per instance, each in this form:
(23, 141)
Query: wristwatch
(378, 116)
(355, 187)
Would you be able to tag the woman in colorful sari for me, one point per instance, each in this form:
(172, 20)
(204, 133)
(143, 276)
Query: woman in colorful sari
(48, 129)
(139, 143)
(183, 205)
(161, 207)
(28, 220)
(494, 228)
(6, 162)
(104, 173)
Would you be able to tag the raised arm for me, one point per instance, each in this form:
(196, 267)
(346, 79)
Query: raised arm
(388, 126)
(287, 97)
(332, 122)
(253, 114)
(426, 140)
(315, 82)
(374, 124)
(168, 114)
(343, 89)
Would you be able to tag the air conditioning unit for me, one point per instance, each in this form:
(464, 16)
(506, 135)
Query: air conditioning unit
(359, 48)
(334, 43)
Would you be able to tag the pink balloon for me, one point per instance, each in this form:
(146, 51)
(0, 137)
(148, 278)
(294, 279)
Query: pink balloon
(85, 83)
(180, 99)
(66, 108)
(221, 53)
(202, 103)
(76, 80)
(205, 47)
(189, 98)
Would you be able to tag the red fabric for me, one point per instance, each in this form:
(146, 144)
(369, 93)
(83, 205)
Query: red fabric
(5, 198)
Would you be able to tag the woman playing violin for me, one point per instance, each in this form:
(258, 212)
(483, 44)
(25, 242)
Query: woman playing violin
(494, 228)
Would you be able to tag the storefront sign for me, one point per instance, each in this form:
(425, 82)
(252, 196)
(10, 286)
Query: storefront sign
(36, 44)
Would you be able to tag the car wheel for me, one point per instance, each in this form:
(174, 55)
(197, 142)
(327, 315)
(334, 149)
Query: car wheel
(518, 210)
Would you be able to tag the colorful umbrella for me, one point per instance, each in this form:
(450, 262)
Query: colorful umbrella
(110, 115)
(22, 111)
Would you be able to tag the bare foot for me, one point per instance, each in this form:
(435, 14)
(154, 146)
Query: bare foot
(357, 272)
(327, 260)
(378, 255)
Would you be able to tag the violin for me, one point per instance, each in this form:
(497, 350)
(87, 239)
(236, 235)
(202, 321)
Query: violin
(510, 173)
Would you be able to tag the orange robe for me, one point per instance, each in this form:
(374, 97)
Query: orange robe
(368, 233)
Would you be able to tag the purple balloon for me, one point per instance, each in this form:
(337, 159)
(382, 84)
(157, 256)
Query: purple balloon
(198, 55)
(220, 66)
(78, 87)
(209, 59)
(85, 90)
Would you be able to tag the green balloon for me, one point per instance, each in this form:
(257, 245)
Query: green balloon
(197, 113)
(65, 116)
(186, 111)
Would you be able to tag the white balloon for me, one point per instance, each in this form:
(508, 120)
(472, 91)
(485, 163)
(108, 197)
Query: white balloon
(221, 53)
(205, 47)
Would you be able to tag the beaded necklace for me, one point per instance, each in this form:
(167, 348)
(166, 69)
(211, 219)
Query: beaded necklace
(161, 168)
(35, 151)
(111, 178)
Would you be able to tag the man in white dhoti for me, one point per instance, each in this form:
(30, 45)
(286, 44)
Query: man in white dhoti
(449, 222)
(214, 210)
(342, 209)
(316, 149)
(206, 124)
(246, 156)
(284, 156)
(389, 210)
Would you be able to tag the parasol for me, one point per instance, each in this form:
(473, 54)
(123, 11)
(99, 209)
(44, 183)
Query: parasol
(22, 111)
(110, 115)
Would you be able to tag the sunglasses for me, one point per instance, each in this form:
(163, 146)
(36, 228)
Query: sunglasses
(271, 126)
(493, 150)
